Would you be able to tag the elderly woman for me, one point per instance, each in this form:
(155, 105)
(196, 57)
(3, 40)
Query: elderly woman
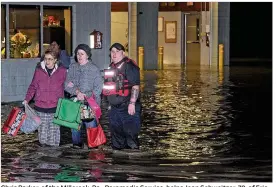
(47, 86)
(83, 79)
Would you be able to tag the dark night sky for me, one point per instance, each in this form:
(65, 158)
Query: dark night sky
(251, 30)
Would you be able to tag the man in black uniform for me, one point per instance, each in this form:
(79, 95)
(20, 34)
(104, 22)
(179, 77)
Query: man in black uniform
(121, 86)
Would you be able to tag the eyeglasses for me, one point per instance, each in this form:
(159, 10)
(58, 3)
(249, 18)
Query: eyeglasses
(49, 59)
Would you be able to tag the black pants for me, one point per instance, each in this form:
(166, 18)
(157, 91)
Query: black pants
(124, 127)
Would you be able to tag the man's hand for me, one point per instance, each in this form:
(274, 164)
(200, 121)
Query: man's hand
(133, 98)
(131, 108)
(24, 102)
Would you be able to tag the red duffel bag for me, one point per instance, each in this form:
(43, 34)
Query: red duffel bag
(14, 121)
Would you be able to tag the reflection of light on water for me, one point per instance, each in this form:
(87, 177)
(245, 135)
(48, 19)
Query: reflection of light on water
(190, 112)
(221, 75)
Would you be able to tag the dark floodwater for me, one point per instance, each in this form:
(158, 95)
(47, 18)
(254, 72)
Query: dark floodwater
(198, 125)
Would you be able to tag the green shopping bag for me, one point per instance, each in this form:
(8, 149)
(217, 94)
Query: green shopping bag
(68, 114)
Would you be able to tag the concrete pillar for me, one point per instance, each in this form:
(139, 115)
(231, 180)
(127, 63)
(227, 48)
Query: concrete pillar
(132, 30)
(147, 32)
(205, 24)
(224, 29)
(94, 16)
(213, 34)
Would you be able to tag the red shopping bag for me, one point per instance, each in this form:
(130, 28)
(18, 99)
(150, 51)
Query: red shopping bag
(14, 121)
(95, 136)
(94, 106)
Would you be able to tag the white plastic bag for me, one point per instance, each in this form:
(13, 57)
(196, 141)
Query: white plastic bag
(32, 121)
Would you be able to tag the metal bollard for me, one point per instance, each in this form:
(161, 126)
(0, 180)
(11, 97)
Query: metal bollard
(160, 57)
(221, 56)
(220, 64)
(141, 57)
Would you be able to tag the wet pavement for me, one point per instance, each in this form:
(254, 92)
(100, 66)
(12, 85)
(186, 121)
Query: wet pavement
(198, 125)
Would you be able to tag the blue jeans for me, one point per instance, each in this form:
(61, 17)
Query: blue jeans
(76, 134)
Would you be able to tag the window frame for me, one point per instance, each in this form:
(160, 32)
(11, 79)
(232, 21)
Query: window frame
(7, 24)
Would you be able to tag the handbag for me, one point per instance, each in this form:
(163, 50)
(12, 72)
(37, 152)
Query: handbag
(14, 121)
(95, 135)
(32, 121)
(86, 112)
(68, 114)
(94, 106)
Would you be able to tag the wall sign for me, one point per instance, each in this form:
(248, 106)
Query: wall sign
(170, 31)
(160, 24)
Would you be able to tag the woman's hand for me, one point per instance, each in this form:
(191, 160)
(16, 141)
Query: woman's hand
(24, 102)
(80, 96)
(70, 84)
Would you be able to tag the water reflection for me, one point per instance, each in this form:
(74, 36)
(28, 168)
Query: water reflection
(68, 174)
(198, 124)
(97, 169)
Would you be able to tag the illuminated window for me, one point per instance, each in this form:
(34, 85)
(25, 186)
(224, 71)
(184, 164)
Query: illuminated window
(3, 31)
(24, 31)
(57, 27)
(25, 24)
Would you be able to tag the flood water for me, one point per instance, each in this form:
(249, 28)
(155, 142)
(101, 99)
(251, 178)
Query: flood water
(198, 125)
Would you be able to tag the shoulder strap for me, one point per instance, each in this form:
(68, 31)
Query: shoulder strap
(126, 61)
(130, 60)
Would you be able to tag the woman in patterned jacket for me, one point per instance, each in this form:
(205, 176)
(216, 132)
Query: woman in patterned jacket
(83, 79)
(47, 87)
